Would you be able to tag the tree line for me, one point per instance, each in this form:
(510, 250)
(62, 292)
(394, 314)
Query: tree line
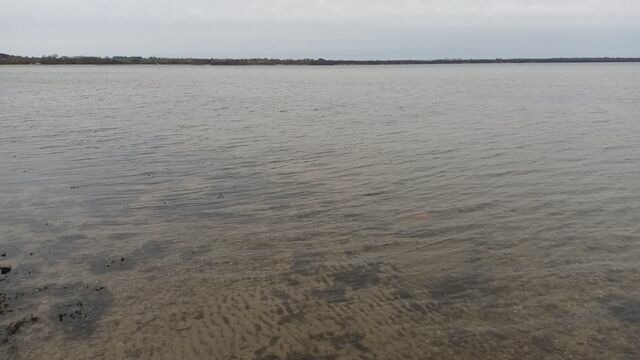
(6, 59)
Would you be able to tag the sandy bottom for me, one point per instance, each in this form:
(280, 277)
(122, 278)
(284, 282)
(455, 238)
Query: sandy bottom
(294, 298)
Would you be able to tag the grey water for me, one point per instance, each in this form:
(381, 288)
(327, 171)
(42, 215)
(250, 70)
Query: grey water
(340, 212)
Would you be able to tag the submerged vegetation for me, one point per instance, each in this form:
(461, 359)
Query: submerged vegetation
(6, 59)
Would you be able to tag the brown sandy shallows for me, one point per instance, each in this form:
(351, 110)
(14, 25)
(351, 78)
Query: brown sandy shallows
(317, 304)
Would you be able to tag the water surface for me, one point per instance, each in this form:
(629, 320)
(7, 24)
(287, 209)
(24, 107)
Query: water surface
(347, 212)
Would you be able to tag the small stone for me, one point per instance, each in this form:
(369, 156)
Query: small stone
(5, 269)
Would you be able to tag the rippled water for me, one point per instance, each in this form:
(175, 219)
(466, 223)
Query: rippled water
(397, 212)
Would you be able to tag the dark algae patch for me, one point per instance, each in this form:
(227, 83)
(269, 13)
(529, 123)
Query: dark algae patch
(14, 327)
(451, 287)
(296, 356)
(81, 309)
(358, 277)
(4, 304)
(331, 295)
(340, 341)
(8, 332)
(148, 252)
(306, 263)
(76, 310)
(102, 265)
(623, 309)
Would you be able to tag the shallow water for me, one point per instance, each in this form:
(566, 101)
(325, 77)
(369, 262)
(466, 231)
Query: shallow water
(450, 212)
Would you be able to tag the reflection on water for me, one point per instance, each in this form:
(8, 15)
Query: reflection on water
(481, 211)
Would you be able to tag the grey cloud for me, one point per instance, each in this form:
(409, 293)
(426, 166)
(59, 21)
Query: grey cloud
(328, 28)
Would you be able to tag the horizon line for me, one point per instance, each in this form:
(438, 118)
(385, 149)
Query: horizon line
(54, 59)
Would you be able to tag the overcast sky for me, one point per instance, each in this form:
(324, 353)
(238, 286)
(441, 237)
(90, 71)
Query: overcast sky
(337, 29)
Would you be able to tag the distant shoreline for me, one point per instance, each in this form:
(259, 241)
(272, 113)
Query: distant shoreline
(6, 59)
